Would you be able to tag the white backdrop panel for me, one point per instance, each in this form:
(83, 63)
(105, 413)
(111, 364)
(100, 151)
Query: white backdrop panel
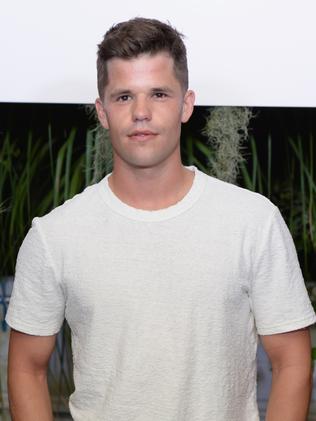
(245, 52)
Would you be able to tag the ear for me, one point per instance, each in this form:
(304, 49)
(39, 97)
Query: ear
(101, 113)
(188, 106)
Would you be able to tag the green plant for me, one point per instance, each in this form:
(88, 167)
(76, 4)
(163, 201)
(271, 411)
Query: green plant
(15, 195)
(195, 152)
(306, 191)
(254, 179)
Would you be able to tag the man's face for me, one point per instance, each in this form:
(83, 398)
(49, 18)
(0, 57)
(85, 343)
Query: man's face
(143, 108)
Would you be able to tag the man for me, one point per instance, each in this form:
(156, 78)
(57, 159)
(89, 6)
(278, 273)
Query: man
(165, 275)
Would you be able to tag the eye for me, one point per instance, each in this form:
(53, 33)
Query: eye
(160, 95)
(123, 98)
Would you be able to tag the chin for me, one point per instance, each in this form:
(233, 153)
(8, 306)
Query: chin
(143, 160)
(144, 165)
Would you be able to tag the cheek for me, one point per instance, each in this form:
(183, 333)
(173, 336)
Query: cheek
(171, 117)
(115, 121)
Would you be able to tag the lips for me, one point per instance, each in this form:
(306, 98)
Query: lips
(141, 134)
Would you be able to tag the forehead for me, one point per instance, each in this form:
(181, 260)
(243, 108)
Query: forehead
(144, 68)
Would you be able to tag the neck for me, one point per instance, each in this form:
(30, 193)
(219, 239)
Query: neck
(151, 188)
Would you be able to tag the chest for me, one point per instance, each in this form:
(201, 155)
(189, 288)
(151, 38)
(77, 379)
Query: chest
(158, 272)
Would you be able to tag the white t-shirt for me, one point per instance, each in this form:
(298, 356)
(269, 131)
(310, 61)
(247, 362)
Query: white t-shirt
(165, 306)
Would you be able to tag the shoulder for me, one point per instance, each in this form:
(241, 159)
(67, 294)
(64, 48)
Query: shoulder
(73, 214)
(237, 203)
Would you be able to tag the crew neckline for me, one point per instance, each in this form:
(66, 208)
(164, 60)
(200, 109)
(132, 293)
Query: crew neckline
(122, 208)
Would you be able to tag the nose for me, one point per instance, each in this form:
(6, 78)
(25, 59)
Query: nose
(141, 109)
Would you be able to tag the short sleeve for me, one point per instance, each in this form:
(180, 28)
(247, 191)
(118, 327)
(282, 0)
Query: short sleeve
(37, 303)
(279, 299)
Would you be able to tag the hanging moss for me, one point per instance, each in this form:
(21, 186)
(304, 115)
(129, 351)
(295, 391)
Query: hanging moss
(226, 130)
(102, 154)
(102, 151)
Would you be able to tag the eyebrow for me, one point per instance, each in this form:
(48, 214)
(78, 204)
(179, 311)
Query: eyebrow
(162, 89)
(120, 92)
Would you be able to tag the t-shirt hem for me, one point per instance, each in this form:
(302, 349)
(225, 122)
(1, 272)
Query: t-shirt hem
(288, 326)
(30, 329)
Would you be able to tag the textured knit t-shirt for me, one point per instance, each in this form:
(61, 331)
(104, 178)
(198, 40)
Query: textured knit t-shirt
(164, 306)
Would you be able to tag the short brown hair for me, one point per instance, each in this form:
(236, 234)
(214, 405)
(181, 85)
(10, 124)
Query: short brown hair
(141, 35)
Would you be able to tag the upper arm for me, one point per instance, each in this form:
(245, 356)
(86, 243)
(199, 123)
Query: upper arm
(289, 349)
(29, 353)
(278, 296)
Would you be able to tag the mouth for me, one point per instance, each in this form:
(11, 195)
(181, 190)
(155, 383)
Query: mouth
(142, 135)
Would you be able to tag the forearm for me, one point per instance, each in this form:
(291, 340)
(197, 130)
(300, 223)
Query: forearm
(29, 397)
(290, 395)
